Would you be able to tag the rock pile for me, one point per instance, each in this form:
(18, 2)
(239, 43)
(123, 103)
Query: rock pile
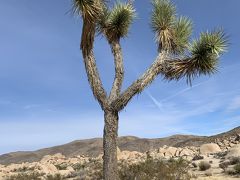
(234, 151)
(172, 152)
(227, 143)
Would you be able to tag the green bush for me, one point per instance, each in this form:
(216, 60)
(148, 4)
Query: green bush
(78, 166)
(62, 166)
(156, 169)
(204, 165)
(237, 168)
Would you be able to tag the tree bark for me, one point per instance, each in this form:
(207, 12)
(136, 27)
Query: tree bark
(119, 72)
(138, 86)
(88, 33)
(110, 170)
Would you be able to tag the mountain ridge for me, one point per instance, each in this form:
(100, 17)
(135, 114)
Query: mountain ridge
(93, 147)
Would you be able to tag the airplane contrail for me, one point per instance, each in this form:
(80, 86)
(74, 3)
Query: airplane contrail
(159, 103)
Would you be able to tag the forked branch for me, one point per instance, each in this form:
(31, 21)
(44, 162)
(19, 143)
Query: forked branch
(137, 86)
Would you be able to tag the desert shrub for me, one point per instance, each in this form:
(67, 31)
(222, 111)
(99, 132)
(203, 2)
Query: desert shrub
(78, 166)
(97, 167)
(156, 169)
(92, 170)
(194, 164)
(237, 168)
(54, 177)
(197, 157)
(23, 169)
(26, 176)
(80, 175)
(62, 166)
(220, 155)
(231, 172)
(224, 165)
(234, 160)
(204, 165)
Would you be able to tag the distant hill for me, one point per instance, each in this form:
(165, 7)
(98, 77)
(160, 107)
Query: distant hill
(93, 147)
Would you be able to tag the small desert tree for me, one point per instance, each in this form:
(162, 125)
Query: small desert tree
(177, 58)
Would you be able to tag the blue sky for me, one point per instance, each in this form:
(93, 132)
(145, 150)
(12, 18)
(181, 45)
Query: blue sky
(45, 98)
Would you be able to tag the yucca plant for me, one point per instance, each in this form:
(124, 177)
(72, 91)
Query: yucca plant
(114, 23)
(178, 57)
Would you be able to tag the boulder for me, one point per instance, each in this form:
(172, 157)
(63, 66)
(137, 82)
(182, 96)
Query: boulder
(234, 151)
(161, 150)
(129, 155)
(186, 152)
(170, 151)
(158, 155)
(48, 168)
(209, 148)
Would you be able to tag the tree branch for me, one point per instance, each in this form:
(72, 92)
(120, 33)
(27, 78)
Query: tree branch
(119, 70)
(171, 69)
(189, 68)
(137, 86)
(88, 33)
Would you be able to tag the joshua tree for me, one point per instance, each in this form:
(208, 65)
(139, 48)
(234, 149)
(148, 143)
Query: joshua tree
(177, 58)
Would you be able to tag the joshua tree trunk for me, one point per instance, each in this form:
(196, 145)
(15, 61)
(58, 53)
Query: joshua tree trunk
(110, 145)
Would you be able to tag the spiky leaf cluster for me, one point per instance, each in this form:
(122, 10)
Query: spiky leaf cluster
(115, 23)
(182, 33)
(209, 45)
(89, 9)
(172, 33)
(203, 57)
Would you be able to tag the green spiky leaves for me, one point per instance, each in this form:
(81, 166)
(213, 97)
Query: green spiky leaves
(163, 15)
(172, 33)
(202, 59)
(209, 45)
(207, 49)
(89, 9)
(115, 23)
(182, 33)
